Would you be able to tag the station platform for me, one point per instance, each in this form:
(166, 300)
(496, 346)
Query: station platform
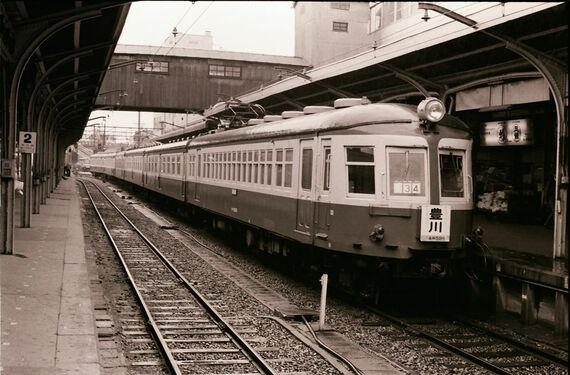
(47, 319)
(524, 251)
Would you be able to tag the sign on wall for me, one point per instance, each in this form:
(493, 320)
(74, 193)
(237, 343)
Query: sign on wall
(507, 133)
(27, 142)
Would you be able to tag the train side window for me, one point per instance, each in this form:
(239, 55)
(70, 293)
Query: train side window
(279, 167)
(451, 174)
(288, 167)
(255, 166)
(217, 165)
(269, 166)
(360, 163)
(262, 167)
(327, 169)
(226, 174)
(200, 173)
(208, 162)
(307, 169)
(407, 172)
(249, 166)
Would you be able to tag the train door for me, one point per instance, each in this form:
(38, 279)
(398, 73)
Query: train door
(323, 189)
(305, 204)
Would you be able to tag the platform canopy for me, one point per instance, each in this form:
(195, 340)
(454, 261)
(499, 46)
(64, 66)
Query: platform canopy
(61, 50)
(445, 56)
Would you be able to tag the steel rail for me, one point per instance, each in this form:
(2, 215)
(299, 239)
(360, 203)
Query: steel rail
(441, 343)
(256, 359)
(165, 351)
(548, 357)
(339, 356)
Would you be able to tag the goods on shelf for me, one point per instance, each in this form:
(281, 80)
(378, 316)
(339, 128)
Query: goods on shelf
(495, 201)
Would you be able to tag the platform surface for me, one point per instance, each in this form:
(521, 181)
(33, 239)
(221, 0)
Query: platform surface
(47, 324)
(525, 251)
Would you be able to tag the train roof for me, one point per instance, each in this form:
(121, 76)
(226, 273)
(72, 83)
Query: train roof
(167, 146)
(103, 154)
(337, 119)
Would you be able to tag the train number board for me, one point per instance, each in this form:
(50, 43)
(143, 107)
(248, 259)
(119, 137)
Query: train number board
(27, 142)
(436, 220)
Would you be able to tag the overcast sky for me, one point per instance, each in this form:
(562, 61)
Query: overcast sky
(242, 26)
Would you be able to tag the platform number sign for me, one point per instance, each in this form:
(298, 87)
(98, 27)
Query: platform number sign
(436, 220)
(27, 143)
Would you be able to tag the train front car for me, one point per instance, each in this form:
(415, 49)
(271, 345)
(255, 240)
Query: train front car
(398, 195)
(374, 189)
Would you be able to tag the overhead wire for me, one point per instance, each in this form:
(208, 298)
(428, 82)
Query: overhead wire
(189, 27)
(176, 25)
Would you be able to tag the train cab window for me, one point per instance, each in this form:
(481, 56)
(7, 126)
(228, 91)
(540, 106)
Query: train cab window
(407, 172)
(360, 163)
(307, 169)
(451, 174)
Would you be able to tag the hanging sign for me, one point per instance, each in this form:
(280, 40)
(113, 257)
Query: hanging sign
(507, 133)
(27, 142)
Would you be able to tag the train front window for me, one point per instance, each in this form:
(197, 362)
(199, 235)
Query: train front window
(360, 165)
(451, 173)
(407, 172)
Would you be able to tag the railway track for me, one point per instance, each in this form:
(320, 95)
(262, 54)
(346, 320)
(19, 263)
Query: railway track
(459, 339)
(191, 336)
(460, 348)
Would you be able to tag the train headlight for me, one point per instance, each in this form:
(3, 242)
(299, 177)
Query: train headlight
(377, 233)
(431, 109)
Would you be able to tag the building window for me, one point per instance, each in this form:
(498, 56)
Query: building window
(386, 13)
(152, 67)
(224, 71)
(340, 26)
(341, 6)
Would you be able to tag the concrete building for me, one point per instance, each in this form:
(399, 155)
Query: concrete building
(327, 31)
